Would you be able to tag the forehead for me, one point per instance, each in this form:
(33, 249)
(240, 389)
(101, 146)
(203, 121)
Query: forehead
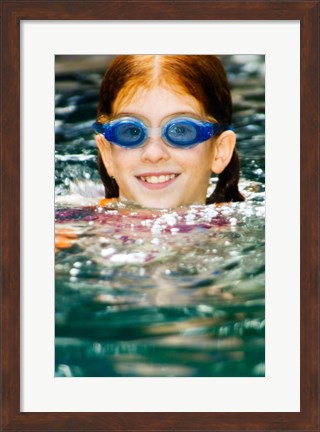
(157, 99)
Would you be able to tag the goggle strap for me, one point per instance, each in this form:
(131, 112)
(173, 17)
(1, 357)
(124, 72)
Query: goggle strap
(98, 127)
(104, 129)
(218, 128)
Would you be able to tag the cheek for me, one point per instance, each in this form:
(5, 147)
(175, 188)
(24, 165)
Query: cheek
(209, 153)
(202, 156)
(122, 159)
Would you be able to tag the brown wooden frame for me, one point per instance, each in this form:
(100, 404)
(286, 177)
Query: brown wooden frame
(13, 11)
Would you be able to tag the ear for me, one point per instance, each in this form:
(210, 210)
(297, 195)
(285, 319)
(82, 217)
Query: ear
(224, 147)
(105, 151)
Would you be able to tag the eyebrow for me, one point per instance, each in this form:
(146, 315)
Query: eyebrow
(142, 117)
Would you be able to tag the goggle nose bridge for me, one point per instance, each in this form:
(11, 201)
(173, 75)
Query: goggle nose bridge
(154, 132)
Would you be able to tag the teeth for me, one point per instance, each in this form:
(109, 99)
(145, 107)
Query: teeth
(160, 179)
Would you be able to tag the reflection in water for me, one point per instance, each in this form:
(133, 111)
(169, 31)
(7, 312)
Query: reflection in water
(161, 293)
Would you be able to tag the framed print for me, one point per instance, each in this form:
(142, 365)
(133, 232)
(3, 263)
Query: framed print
(37, 38)
(170, 271)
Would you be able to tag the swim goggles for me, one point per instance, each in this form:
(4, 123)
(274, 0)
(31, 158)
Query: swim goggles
(179, 132)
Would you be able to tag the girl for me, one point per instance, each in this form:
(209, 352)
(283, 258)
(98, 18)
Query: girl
(164, 126)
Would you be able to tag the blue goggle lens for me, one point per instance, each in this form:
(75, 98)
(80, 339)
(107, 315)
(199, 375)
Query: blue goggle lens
(127, 134)
(179, 132)
(182, 133)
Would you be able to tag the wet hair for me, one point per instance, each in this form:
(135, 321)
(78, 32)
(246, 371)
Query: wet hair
(201, 76)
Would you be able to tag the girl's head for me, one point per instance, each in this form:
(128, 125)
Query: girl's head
(154, 89)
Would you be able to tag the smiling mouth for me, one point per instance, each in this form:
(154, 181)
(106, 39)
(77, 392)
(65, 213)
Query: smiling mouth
(153, 179)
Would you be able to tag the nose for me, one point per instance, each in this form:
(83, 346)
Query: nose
(155, 151)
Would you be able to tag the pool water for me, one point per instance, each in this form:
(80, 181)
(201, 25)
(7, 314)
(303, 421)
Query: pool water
(161, 293)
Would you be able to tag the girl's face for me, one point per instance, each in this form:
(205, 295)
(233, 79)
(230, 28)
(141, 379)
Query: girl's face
(157, 175)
